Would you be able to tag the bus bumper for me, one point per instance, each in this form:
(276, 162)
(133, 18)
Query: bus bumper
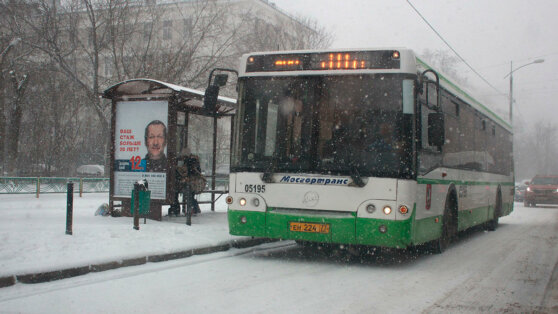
(346, 229)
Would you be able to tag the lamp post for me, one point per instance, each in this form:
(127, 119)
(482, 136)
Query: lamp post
(511, 81)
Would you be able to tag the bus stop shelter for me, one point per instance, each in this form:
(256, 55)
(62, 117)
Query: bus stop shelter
(142, 106)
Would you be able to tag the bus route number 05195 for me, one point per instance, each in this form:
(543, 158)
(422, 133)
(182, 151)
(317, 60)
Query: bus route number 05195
(254, 188)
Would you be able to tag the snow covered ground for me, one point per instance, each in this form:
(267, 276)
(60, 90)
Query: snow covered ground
(33, 238)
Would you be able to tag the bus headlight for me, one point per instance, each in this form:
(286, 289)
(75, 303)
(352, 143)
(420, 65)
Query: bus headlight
(370, 208)
(229, 200)
(242, 202)
(387, 210)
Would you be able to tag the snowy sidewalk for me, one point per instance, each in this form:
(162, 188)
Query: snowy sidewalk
(35, 248)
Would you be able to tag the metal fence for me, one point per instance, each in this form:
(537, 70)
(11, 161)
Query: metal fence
(38, 185)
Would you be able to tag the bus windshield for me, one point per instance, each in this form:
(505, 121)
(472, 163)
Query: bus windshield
(325, 124)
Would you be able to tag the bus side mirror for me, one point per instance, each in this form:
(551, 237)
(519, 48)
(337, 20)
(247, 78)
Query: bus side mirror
(220, 79)
(210, 98)
(436, 129)
(432, 101)
(212, 91)
(419, 89)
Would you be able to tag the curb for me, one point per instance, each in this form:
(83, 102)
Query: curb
(78, 271)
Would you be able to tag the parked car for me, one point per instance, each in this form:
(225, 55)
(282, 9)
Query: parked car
(520, 192)
(542, 190)
(91, 170)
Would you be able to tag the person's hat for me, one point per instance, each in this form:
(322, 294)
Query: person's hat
(185, 151)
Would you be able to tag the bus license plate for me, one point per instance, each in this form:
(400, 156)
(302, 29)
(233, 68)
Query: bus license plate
(309, 227)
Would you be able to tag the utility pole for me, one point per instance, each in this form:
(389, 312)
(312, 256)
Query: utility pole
(511, 92)
(511, 82)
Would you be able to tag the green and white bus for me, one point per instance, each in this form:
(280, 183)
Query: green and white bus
(363, 147)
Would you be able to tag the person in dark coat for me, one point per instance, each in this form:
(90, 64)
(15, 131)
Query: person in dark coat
(188, 167)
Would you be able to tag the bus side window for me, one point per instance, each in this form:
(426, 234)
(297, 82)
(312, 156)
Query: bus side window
(428, 100)
(428, 115)
(429, 156)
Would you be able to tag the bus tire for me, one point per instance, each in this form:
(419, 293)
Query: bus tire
(449, 226)
(493, 224)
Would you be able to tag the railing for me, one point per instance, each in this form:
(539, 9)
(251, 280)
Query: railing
(38, 185)
(220, 183)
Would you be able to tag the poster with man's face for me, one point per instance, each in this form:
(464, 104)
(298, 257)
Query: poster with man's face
(141, 138)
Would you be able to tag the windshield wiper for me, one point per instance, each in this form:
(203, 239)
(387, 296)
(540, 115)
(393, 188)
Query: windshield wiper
(355, 175)
(268, 173)
(353, 171)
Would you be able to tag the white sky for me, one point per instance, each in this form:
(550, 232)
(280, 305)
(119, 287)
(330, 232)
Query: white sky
(488, 34)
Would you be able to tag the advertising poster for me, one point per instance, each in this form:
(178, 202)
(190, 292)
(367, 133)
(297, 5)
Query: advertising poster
(141, 147)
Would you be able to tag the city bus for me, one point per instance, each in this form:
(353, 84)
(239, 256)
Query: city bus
(368, 148)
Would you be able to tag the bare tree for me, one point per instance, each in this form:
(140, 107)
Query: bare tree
(14, 70)
(16, 112)
(535, 149)
(88, 45)
(56, 133)
(445, 62)
(3, 118)
(294, 33)
(544, 147)
(177, 42)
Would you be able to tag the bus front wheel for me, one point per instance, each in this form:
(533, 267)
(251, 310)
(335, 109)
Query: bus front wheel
(449, 228)
(492, 224)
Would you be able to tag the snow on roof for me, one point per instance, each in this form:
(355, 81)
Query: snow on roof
(145, 86)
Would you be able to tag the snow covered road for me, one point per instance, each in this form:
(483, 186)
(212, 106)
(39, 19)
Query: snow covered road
(509, 270)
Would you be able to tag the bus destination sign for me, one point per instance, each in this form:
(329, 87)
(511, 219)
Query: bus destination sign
(354, 60)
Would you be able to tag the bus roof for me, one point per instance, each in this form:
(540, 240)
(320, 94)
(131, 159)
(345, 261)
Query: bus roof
(408, 63)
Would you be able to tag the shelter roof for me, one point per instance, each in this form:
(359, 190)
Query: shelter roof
(147, 88)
